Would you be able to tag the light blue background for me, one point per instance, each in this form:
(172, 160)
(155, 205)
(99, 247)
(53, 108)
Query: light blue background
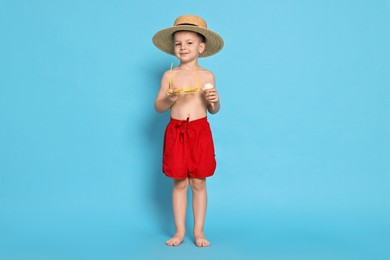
(302, 139)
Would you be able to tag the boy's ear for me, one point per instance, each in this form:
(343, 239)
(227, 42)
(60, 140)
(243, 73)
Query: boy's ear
(202, 46)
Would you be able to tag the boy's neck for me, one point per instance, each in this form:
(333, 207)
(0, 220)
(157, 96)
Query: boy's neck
(188, 65)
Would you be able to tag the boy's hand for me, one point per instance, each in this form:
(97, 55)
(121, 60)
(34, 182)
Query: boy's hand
(212, 95)
(171, 95)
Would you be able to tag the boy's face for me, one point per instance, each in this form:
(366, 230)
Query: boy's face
(187, 45)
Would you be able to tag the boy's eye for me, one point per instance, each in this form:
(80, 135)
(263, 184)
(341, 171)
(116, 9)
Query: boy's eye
(177, 44)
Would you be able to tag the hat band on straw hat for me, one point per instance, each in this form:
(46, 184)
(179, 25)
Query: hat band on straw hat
(190, 20)
(191, 24)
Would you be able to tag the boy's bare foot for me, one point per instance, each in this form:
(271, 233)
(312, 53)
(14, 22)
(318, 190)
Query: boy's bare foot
(201, 241)
(176, 240)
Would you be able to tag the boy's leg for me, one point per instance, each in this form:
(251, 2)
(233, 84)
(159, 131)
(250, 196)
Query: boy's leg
(179, 203)
(199, 205)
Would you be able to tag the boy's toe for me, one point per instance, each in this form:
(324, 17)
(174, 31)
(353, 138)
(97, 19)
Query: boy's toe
(202, 242)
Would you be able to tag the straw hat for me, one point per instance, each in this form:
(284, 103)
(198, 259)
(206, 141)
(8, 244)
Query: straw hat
(164, 39)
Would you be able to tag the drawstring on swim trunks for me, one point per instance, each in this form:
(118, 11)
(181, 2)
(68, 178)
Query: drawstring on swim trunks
(183, 128)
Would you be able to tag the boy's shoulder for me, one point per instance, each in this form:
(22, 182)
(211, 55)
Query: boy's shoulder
(204, 70)
(207, 74)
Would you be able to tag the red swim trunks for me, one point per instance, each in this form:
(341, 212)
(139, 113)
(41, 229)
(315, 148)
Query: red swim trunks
(188, 149)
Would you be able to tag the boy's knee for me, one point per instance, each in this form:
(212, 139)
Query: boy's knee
(198, 184)
(181, 184)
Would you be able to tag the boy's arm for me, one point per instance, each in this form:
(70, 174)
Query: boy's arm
(213, 97)
(163, 101)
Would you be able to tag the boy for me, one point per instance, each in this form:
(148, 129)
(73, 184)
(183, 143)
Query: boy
(188, 154)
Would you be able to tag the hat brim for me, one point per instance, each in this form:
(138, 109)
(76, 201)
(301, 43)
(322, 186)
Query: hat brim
(164, 39)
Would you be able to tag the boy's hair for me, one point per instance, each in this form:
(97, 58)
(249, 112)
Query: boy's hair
(201, 36)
